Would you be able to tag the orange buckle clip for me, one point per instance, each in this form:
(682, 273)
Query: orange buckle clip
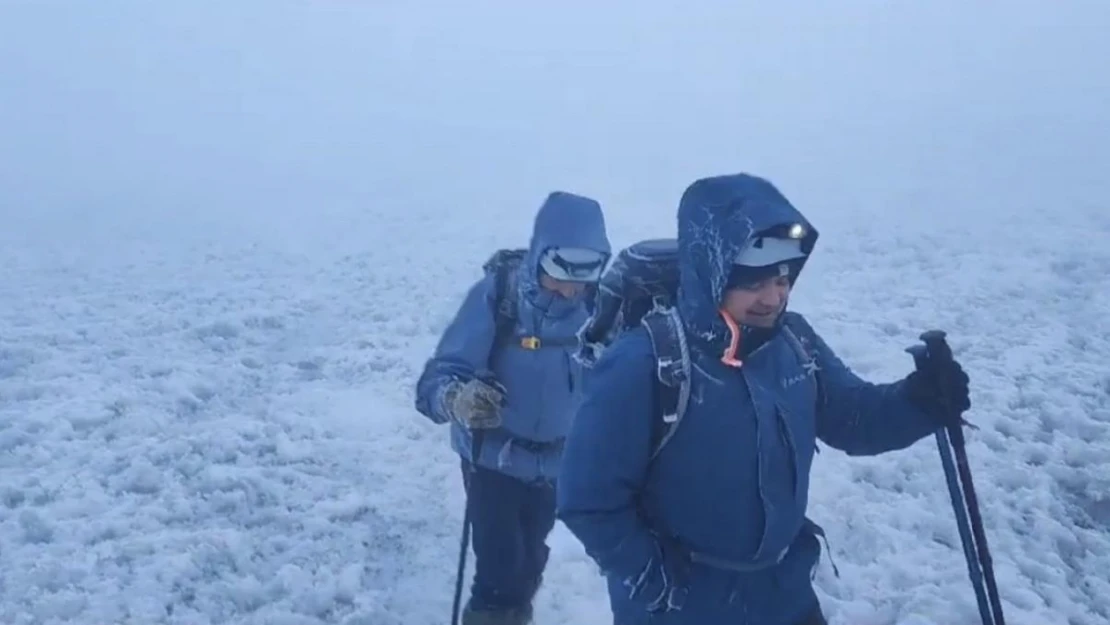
(530, 342)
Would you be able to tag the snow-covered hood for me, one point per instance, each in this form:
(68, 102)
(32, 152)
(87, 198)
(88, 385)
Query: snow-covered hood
(717, 217)
(563, 220)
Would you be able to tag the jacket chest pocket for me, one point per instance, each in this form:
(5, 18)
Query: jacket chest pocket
(784, 421)
(551, 344)
(547, 366)
(798, 421)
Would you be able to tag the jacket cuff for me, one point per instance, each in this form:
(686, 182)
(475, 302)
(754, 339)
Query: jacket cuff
(443, 399)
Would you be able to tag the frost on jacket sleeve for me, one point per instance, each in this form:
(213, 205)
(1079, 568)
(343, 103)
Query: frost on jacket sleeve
(463, 350)
(859, 417)
(606, 458)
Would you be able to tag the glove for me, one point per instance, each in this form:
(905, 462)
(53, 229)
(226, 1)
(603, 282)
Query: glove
(475, 404)
(939, 388)
(662, 582)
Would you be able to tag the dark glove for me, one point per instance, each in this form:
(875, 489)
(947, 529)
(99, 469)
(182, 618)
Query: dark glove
(662, 584)
(476, 404)
(939, 388)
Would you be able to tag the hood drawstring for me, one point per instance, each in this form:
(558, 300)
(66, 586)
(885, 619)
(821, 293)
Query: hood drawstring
(733, 347)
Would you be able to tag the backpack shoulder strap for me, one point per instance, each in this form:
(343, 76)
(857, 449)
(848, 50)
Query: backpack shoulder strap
(503, 264)
(506, 298)
(672, 372)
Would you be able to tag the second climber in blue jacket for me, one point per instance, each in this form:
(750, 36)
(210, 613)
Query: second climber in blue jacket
(519, 393)
(713, 530)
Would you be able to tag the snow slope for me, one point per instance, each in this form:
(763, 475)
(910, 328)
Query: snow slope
(226, 251)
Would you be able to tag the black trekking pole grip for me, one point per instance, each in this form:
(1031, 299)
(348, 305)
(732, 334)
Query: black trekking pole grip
(938, 351)
(937, 342)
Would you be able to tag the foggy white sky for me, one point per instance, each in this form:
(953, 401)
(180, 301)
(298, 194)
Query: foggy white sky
(253, 109)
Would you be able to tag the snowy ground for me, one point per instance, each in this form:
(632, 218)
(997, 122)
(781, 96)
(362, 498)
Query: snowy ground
(198, 428)
(230, 235)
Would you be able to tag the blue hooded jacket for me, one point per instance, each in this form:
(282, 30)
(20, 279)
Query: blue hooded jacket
(543, 386)
(732, 484)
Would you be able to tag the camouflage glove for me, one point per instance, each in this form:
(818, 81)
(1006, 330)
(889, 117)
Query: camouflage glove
(475, 404)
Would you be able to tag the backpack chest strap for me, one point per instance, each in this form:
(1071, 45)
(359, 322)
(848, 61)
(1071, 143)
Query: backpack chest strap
(672, 356)
(531, 343)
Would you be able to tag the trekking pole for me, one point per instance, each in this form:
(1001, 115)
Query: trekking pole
(476, 439)
(938, 349)
(920, 357)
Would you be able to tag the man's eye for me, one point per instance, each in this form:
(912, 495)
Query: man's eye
(780, 281)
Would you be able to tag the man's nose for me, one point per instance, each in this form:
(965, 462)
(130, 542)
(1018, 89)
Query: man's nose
(772, 295)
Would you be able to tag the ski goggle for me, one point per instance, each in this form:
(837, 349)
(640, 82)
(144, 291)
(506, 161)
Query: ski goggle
(574, 265)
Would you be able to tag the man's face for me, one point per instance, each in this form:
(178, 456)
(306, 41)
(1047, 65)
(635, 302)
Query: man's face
(566, 288)
(759, 304)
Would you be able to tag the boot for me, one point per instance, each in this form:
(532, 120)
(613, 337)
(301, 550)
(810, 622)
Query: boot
(499, 616)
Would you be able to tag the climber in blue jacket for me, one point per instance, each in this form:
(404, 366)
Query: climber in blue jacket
(519, 392)
(713, 530)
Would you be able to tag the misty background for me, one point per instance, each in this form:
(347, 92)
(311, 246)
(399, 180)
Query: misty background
(252, 118)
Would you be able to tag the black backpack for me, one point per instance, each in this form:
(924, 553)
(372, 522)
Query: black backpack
(639, 288)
